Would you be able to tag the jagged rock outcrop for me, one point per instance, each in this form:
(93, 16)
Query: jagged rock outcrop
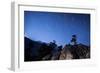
(38, 51)
(78, 51)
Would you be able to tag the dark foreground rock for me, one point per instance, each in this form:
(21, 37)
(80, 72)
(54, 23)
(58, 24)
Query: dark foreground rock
(39, 51)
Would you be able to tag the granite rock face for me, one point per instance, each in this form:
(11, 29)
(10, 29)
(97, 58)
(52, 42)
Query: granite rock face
(78, 51)
(41, 51)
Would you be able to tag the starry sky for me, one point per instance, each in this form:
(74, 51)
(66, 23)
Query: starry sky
(49, 26)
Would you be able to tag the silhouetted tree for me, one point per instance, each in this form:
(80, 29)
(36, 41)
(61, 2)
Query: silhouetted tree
(53, 44)
(74, 39)
(60, 48)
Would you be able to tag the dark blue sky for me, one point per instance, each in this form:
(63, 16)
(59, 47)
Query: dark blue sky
(49, 26)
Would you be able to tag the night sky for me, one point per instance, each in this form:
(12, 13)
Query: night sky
(49, 26)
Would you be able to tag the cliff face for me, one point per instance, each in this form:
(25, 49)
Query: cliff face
(31, 49)
(39, 51)
(78, 51)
